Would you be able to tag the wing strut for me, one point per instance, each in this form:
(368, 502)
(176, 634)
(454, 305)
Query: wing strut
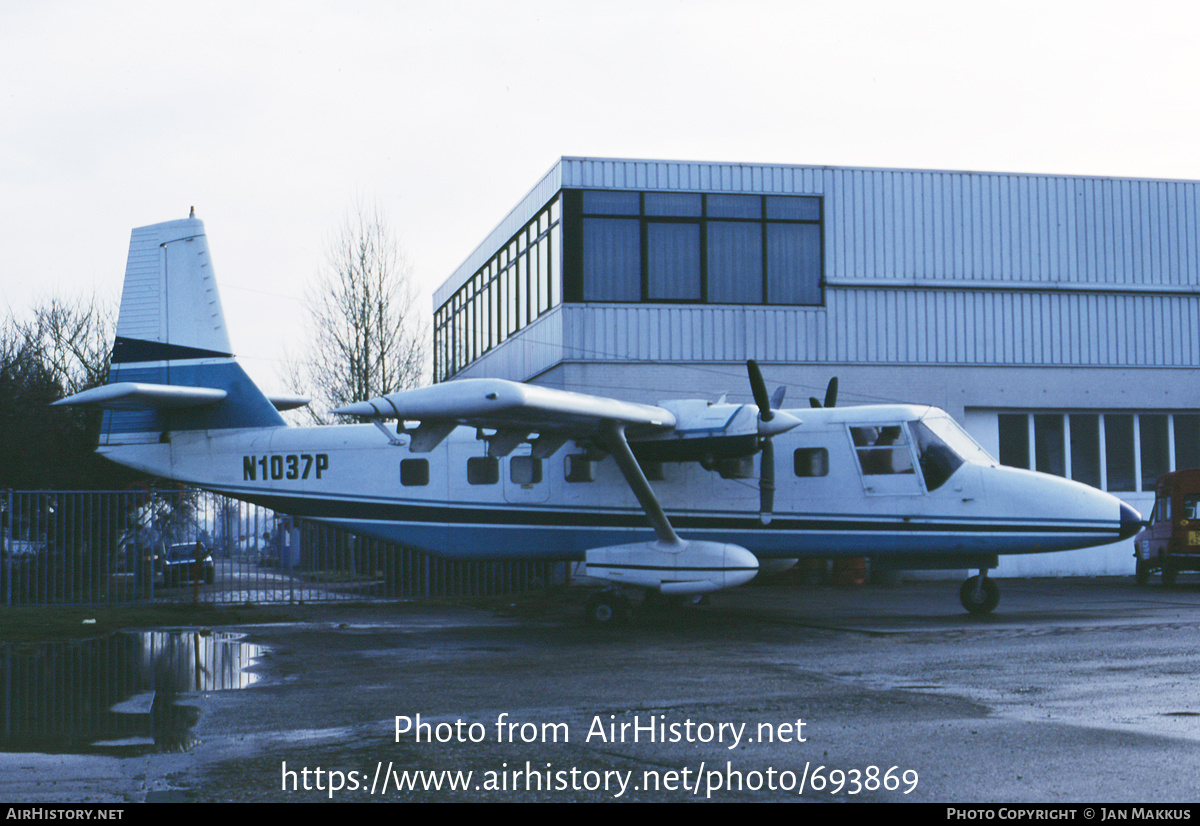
(612, 438)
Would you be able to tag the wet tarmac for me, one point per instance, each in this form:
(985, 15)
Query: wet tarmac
(1073, 691)
(124, 694)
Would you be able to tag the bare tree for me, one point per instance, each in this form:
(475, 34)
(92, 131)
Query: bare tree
(73, 339)
(367, 336)
(60, 347)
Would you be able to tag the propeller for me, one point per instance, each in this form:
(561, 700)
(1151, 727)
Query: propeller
(770, 422)
(759, 388)
(830, 395)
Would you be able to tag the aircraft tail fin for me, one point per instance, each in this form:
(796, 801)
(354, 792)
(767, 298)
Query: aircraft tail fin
(172, 366)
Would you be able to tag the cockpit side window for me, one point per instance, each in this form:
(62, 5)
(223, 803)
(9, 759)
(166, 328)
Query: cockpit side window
(937, 459)
(882, 450)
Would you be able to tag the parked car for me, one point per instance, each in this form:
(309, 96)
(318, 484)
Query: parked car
(179, 564)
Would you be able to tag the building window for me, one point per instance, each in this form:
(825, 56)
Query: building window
(613, 246)
(516, 286)
(672, 262)
(1085, 448)
(692, 248)
(1014, 440)
(1119, 452)
(1049, 445)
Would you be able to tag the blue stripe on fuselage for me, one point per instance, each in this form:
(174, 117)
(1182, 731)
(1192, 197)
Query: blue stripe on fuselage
(458, 530)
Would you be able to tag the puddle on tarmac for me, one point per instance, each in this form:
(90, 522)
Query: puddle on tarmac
(125, 694)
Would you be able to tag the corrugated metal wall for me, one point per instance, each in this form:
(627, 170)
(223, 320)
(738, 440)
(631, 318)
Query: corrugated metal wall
(973, 226)
(870, 326)
(1048, 231)
(927, 267)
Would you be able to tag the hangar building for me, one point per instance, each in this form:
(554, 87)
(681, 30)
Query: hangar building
(1055, 316)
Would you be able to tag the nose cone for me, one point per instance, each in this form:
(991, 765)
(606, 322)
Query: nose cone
(1131, 521)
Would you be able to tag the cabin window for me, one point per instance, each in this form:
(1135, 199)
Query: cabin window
(414, 472)
(882, 450)
(525, 470)
(1191, 507)
(483, 470)
(811, 461)
(577, 468)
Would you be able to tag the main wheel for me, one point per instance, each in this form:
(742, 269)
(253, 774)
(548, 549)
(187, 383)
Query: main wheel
(607, 609)
(979, 598)
(1169, 574)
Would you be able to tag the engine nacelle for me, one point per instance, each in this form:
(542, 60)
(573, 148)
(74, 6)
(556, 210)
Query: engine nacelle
(687, 568)
(777, 566)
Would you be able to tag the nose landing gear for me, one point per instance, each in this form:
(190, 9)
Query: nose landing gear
(980, 595)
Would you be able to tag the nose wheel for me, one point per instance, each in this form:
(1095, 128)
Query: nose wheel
(980, 595)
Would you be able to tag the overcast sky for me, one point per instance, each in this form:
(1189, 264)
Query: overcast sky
(272, 118)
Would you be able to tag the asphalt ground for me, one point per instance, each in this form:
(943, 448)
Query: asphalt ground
(1075, 690)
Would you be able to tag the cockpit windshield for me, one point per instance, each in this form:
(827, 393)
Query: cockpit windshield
(942, 448)
(958, 439)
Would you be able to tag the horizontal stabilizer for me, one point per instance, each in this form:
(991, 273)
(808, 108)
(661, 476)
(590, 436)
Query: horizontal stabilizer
(138, 395)
(282, 402)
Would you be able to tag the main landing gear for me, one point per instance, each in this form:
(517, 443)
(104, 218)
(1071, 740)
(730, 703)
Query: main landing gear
(980, 595)
(608, 609)
(612, 607)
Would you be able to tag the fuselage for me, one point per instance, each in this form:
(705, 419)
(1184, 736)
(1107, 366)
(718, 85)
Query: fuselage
(862, 481)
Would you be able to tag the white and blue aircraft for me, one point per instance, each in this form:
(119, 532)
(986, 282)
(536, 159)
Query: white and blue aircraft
(683, 497)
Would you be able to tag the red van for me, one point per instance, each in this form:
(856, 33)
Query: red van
(1171, 543)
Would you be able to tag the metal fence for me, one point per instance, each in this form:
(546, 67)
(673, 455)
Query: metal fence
(183, 545)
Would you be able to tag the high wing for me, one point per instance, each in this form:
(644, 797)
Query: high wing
(547, 418)
(518, 411)
(514, 410)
